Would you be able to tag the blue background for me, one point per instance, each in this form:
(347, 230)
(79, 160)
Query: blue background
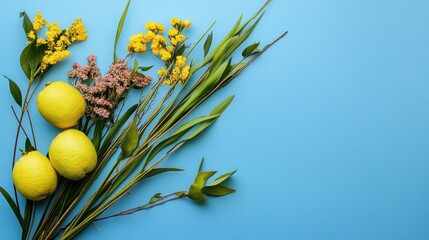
(328, 130)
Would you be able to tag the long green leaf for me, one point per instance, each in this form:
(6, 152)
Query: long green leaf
(119, 29)
(15, 91)
(208, 43)
(250, 49)
(12, 205)
(221, 178)
(174, 137)
(28, 214)
(217, 190)
(26, 22)
(157, 171)
(23, 59)
(131, 140)
(115, 129)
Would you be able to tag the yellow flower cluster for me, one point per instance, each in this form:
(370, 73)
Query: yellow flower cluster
(57, 40)
(179, 74)
(160, 47)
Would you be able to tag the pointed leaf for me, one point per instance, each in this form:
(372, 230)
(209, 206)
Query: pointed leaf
(250, 49)
(12, 205)
(131, 140)
(28, 146)
(119, 29)
(136, 64)
(221, 178)
(23, 59)
(174, 137)
(195, 189)
(145, 68)
(26, 22)
(208, 43)
(115, 128)
(15, 91)
(157, 197)
(157, 171)
(217, 190)
(201, 165)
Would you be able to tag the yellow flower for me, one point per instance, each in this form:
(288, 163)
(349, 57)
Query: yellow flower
(137, 43)
(173, 32)
(160, 39)
(77, 32)
(165, 55)
(150, 35)
(173, 41)
(160, 27)
(170, 48)
(186, 23)
(162, 71)
(150, 26)
(38, 22)
(53, 31)
(175, 21)
(180, 38)
(40, 41)
(185, 73)
(31, 35)
(52, 57)
(180, 61)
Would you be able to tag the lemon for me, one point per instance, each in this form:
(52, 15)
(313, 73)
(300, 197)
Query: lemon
(72, 154)
(61, 104)
(34, 176)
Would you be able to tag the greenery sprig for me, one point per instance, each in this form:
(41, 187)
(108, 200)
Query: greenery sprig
(137, 140)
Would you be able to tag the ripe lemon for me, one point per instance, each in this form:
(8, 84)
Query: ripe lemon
(61, 104)
(72, 154)
(34, 176)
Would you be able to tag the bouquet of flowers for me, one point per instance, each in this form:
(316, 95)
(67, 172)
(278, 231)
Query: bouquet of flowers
(107, 144)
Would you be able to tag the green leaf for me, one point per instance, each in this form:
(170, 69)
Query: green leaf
(28, 214)
(119, 29)
(174, 137)
(195, 189)
(180, 50)
(249, 50)
(97, 135)
(145, 68)
(157, 171)
(136, 64)
(180, 193)
(15, 91)
(221, 178)
(217, 190)
(12, 205)
(200, 168)
(28, 146)
(157, 197)
(24, 60)
(208, 43)
(26, 23)
(30, 59)
(131, 140)
(115, 129)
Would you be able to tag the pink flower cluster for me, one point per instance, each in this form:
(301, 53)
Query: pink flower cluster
(103, 92)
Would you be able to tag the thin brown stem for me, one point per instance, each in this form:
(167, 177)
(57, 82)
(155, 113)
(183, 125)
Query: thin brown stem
(17, 119)
(32, 129)
(144, 207)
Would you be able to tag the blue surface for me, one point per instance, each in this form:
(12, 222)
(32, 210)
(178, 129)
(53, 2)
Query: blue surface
(329, 130)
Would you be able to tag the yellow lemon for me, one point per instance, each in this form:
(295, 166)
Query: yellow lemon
(34, 176)
(61, 104)
(72, 154)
